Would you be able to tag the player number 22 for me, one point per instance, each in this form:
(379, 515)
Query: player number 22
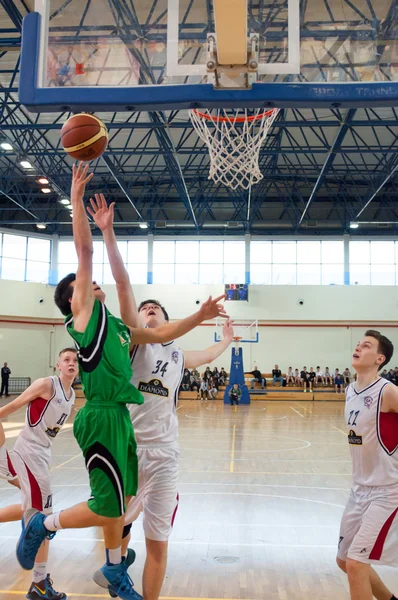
(354, 413)
(160, 368)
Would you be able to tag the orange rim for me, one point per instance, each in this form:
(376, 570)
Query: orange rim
(237, 120)
(236, 339)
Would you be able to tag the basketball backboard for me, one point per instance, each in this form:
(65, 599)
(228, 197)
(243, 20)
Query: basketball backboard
(154, 54)
(244, 329)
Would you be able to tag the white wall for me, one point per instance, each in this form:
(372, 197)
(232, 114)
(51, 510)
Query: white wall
(322, 331)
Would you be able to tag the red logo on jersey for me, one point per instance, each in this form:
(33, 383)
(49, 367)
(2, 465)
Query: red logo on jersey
(368, 401)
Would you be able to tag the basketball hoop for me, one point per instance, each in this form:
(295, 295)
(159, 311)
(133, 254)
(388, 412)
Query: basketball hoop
(237, 339)
(234, 142)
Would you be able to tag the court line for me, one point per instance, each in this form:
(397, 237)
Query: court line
(296, 411)
(265, 473)
(340, 430)
(231, 464)
(191, 543)
(67, 461)
(303, 407)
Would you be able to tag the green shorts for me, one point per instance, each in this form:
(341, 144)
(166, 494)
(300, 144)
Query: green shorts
(106, 437)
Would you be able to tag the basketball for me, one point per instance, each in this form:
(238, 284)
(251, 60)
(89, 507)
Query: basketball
(84, 137)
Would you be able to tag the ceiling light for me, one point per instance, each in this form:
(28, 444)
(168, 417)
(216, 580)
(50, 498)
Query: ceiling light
(6, 146)
(43, 180)
(354, 225)
(46, 190)
(41, 226)
(143, 225)
(25, 164)
(65, 201)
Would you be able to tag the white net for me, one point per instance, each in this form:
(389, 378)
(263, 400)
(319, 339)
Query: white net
(234, 139)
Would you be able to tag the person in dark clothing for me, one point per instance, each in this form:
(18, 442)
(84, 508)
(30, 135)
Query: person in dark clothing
(277, 375)
(186, 381)
(305, 379)
(235, 394)
(257, 377)
(5, 376)
(223, 376)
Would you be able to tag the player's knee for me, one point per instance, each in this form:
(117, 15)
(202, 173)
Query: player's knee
(355, 569)
(341, 564)
(157, 550)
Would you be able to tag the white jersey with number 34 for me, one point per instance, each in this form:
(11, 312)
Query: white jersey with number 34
(372, 436)
(158, 371)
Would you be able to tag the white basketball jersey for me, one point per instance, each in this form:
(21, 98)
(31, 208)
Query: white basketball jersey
(372, 436)
(157, 373)
(45, 418)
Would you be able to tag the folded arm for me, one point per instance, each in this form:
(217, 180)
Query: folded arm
(41, 388)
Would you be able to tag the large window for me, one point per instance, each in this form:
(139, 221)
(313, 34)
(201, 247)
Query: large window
(373, 263)
(25, 258)
(199, 262)
(297, 263)
(134, 255)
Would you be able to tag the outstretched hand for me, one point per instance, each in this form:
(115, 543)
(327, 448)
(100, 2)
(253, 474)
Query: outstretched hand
(228, 330)
(212, 309)
(101, 213)
(79, 180)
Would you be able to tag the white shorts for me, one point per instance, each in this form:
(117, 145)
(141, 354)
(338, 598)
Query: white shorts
(7, 470)
(369, 526)
(157, 495)
(33, 469)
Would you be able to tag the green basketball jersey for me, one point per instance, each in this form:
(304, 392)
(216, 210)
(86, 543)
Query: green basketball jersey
(104, 358)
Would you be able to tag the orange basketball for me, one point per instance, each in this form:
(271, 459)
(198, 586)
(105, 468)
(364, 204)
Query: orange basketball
(84, 137)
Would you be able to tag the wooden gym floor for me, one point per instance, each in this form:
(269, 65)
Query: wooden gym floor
(262, 490)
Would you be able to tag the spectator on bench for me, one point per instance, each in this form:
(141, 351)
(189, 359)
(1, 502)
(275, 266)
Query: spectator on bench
(277, 375)
(338, 381)
(186, 381)
(297, 378)
(311, 377)
(235, 394)
(216, 375)
(328, 377)
(223, 376)
(304, 375)
(347, 376)
(207, 374)
(257, 378)
(290, 376)
(319, 377)
(204, 389)
(212, 388)
(195, 381)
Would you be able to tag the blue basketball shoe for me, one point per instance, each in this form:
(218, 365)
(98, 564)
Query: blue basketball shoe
(116, 580)
(32, 536)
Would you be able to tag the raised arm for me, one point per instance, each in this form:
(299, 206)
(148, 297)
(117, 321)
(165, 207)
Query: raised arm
(103, 216)
(41, 388)
(200, 357)
(171, 331)
(83, 295)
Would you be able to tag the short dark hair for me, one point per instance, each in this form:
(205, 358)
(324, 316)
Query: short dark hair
(385, 346)
(157, 303)
(67, 350)
(63, 292)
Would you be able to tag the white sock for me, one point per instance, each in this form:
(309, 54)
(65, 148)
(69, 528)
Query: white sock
(39, 572)
(51, 523)
(114, 556)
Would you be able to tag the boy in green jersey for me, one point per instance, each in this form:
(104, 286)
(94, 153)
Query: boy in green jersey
(102, 427)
